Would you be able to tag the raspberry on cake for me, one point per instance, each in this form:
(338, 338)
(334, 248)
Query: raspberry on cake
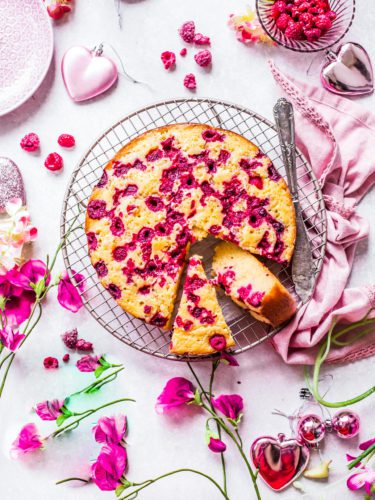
(172, 186)
(251, 285)
(199, 326)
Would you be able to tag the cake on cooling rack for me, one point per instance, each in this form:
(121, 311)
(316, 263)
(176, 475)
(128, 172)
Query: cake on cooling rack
(251, 285)
(170, 187)
(199, 327)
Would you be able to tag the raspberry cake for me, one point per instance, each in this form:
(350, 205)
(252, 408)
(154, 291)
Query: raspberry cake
(251, 285)
(199, 327)
(170, 187)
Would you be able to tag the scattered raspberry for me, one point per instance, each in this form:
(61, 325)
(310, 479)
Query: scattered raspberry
(54, 162)
(183, 52)
(66, 358)
(50, 363)
(58, 10)
(168, 59)
(187, 31)
(66, 141)
(203, 58)
(190, 82)
(30, 142)
(200, 39)
(70, 338)
(83, 345)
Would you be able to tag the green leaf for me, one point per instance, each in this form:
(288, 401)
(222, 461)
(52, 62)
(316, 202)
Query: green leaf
(126, 483)
(104, 362)
(197, 398)
(99, 371)
(60, 420)
(39, 287)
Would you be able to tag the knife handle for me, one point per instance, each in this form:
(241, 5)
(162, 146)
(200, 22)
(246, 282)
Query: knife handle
(284, 117)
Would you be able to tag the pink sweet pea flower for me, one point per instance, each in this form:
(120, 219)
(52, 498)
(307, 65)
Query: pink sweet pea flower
(10, 338)
(109, 467)
(228, 359)
(110, 430)
(177, 392)
(49, 410)
(88, 363)
(67, 293)
(364, 478)
(230, 405)
(216, 445)
(27, 441)
(366, 444)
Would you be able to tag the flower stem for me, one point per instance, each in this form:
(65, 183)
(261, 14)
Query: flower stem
(6, 373)
(134, 493)
(100, 382)
(363, 455)
(73, 479)
(322, 356)
(73, 425)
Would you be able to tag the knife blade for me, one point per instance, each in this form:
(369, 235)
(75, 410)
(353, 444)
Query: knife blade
(302, 264)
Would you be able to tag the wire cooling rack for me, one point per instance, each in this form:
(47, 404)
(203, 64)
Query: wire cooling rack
(246, 331)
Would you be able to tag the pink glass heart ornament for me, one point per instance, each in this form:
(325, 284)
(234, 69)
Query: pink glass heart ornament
(87, 73)
(348, 71)
(280, 461)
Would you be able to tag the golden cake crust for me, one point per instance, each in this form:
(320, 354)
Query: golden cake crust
(251, 285)
(234, 193)
(199, 317)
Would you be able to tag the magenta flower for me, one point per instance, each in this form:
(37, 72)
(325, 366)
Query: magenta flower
(364, 478)
(228, 359)
(177, 392)
(49, 410)
(110, 430)
(68, 294)
(88, 363)
(230, 405)
(366, 444)
(18, 292)
(216, 445)
(109, 467)
(27, 441)
(10, 338)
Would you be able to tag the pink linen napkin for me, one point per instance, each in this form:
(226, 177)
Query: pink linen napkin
(338, 139)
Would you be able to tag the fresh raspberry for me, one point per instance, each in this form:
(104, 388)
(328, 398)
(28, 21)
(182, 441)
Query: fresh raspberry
(278, 8)
(66, 141)
(307, 19)
(58, 10)
(70, 338)
(187, 31)
(323, 22)
(294, 30)
(295, 13)
(50, 363)
(313, 10)
(332, 15)
(190, 82)
(200, 39)
(54, 162)
(30, 142)
(283, 21)
(183, 52)
(84, 345)
(303, 7)
(312, 34)
(66, 358)
(168, 59)
(203, 58)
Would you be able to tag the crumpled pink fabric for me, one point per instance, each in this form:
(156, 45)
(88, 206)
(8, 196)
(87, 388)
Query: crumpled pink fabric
(337, 137)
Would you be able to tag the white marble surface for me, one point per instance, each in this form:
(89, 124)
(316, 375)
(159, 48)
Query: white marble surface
(156, 444)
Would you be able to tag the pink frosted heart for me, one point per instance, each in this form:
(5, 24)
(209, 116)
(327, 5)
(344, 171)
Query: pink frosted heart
(87, 73)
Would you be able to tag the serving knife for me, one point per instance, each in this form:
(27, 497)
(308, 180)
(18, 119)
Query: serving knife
(302, 264)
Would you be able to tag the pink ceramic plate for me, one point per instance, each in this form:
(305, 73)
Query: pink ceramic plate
(26, 47)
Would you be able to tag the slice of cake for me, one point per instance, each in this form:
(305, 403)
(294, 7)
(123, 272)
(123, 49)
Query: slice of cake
(199, 327)
(251, 285)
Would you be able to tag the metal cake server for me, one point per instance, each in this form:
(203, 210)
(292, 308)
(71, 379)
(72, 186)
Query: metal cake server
(302, 265)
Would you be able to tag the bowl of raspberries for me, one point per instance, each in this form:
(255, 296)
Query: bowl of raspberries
(306, 25)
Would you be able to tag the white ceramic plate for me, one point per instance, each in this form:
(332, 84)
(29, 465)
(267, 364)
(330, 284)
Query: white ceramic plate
(26, 48)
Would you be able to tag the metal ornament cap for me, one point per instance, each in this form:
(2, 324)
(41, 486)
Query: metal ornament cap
(280, 461)
(348, 71)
